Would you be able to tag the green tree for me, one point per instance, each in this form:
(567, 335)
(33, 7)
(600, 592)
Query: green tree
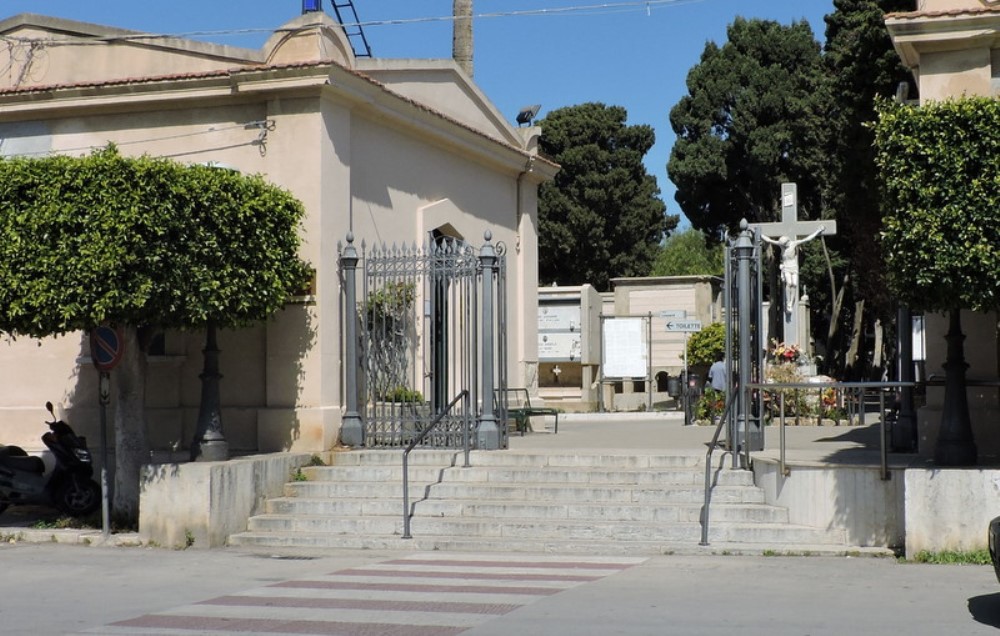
(941, 184)
(754, 117)
(689, 253)
(602, 216)
(140, 242)
(862, 64)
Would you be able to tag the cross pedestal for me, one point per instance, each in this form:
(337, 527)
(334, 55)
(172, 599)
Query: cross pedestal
(790, 232)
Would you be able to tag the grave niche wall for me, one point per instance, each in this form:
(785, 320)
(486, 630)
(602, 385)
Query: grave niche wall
(568, 346)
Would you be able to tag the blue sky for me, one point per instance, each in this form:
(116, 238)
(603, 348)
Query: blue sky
(551, 52)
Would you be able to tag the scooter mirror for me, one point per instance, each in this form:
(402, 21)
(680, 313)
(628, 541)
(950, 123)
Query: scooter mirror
(48, 407)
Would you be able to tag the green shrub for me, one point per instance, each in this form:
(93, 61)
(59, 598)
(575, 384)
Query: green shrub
(705, 346)
(402, 394)
(710, 405)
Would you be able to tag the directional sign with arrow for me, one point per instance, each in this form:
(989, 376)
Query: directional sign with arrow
(685, 326)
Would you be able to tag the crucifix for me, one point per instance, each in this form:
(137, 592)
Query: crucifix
(789, 234)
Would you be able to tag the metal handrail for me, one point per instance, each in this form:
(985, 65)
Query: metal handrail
(413, 444)
(708, 468)
(853, 411)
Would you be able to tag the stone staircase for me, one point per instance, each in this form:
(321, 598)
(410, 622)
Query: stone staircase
(516, 501)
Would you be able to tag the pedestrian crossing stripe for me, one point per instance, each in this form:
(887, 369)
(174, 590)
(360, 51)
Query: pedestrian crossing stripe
(418, 595)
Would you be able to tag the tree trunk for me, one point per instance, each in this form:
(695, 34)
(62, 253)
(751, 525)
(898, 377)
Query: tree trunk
(461, 41)
(834, 359)
(877, 353)
(856, 334)
(131, 442)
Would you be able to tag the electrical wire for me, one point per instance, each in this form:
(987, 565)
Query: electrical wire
(209, 131)
(590, 9)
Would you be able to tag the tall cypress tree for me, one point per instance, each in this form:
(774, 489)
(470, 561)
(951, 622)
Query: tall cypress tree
(602, 217)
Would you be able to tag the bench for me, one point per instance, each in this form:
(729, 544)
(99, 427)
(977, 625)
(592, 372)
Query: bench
(520, 410)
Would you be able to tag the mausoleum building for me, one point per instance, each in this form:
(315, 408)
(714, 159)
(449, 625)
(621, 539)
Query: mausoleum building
(395, 150)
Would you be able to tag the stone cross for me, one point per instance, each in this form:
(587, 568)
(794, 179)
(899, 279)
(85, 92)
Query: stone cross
(789, 233)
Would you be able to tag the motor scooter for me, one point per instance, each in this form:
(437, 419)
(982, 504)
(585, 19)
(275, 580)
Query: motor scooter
(69, 487)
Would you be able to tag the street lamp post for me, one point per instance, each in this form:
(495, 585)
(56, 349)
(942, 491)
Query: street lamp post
(210, 444)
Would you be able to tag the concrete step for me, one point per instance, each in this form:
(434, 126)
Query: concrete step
(525, 492)
(499, 510)
(527, 474)
(319, 542)
(534, 529)
(589, 502)
(596, 459)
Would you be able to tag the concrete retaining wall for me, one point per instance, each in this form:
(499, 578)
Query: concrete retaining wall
(950, 509)
(849, 497)
(935, 510)
(199, 504)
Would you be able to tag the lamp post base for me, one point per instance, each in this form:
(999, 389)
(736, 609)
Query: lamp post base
(212, 451)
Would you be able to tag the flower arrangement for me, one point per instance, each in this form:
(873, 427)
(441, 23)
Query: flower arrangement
(828, 397)
(782, 353)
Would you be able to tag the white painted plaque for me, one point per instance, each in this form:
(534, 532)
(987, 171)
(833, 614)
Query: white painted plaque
(559, 347)
(559, 317)
(625, 350)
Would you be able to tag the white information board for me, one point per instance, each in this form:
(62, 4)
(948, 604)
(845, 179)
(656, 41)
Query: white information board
(625, 348)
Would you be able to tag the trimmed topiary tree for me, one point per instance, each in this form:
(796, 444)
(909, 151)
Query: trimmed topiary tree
(941, 189)
(140, 242)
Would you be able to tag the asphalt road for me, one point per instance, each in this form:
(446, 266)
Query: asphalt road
(65, 589)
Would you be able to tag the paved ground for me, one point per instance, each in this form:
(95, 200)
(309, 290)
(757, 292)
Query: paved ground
(49, 589)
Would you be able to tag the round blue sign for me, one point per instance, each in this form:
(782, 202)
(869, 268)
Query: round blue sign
(107, 345)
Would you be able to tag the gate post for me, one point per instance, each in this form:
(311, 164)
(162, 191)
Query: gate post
(352, 430)
(488, 437)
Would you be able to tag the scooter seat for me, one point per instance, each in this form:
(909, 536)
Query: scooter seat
(29, 464)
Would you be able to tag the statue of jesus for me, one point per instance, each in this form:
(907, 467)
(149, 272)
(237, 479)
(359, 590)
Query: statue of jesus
(790, 264)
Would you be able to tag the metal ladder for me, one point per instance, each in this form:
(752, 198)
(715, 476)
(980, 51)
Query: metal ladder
(352, 27)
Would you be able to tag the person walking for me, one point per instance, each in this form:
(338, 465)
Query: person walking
(717, 374)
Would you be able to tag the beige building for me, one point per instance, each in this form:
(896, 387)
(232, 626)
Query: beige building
(953, 49)
(396, 149)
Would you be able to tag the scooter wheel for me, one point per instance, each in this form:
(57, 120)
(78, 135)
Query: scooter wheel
(78, 497)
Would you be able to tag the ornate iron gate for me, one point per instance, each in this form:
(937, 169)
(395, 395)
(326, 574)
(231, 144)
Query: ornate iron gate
(424, 335)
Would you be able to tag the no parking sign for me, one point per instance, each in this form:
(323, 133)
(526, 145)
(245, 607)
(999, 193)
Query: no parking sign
(107, 345)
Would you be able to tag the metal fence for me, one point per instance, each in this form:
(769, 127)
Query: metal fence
(426, 327)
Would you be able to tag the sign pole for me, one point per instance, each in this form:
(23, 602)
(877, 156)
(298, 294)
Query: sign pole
(107, 346)
(105, 398)
(649, 362)
(687, 384)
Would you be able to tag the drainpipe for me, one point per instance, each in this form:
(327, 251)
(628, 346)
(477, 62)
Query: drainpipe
(519, 207)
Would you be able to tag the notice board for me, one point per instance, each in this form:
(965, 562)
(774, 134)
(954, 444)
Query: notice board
(626, 352)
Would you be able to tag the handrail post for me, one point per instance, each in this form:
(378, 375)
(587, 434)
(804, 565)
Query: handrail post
(465, 425)
(883, 451)
(406, 497)
(731, 398)
(781, 432)
(416, 441)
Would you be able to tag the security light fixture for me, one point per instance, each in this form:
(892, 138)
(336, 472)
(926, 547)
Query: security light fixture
(527, 114)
